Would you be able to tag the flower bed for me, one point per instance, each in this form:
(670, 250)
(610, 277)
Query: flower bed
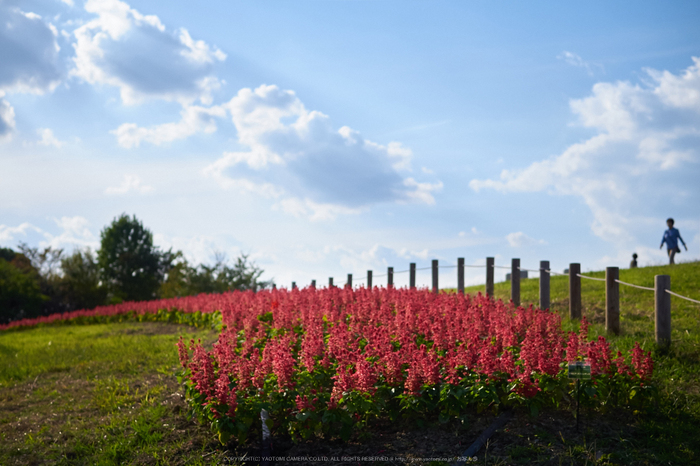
(198, 311)
(327, 362)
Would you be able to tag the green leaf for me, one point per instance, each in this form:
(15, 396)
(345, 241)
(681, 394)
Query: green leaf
(534, 409)
(224, 437)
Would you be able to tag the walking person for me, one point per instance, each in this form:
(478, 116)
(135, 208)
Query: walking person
(671, 237)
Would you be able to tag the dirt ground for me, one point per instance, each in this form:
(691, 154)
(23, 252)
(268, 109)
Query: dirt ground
(549, 439)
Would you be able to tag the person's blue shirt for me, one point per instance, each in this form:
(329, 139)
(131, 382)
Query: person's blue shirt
(671, 237)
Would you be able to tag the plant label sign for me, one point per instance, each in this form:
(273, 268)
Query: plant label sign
(580, 370)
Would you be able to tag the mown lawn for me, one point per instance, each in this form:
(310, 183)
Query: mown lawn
(97, 394)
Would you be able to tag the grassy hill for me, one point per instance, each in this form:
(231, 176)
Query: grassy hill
(636, 306)
(106, 394)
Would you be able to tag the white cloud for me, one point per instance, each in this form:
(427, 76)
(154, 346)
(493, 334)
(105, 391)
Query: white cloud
(131, 183)
(318, 171)
(313, 210)
(197, 51)
(199, 249)
(648, 141)
(9, 234)
(135, 52)
(48, 138)
(681, 91)
(411, 254)
(473, 230)
(520, 239)
(575, 60)
(74, 231)
(28, 59)
(421, 192)
(7, 119)
(194, 120)
(28, 52)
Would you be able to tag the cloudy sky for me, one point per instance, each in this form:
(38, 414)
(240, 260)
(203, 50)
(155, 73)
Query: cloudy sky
(330, 137)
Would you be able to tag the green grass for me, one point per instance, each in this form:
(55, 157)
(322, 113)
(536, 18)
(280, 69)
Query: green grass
(97, 394)
(672, 428)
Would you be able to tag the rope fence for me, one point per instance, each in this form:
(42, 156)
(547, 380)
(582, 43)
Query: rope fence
(662, 289)
(634, 286)
(527, 270)
(683, 297)
(590, 278)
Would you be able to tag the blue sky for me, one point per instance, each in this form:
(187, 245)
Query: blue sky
(332, 137)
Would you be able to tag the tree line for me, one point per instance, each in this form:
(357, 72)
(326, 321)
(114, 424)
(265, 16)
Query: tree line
(126, 267)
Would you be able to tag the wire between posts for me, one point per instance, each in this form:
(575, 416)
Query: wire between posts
(528, 270)
(590, 278)
(549, 271)
(552, 272)
(682, 297)
(455, 266)
(635, 286)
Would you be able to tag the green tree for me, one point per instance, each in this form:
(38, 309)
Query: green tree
(20, 294)
(80, 283)
(7, 254)
(178, 280)
(185, 280)
(46, 264)
(130, 265)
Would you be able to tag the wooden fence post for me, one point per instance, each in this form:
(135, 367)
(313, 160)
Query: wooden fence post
(330, 282)
(574, 291)
(349, 283)
(544, 285)
(435, 276)
(412, 278)
(515, 281)
(369, 279)
(489, 276)
(612, 300)
(662, 301)
(389, 277)
(460, 275)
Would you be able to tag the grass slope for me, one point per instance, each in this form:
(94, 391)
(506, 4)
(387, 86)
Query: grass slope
(97, 394)
(676, 422)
